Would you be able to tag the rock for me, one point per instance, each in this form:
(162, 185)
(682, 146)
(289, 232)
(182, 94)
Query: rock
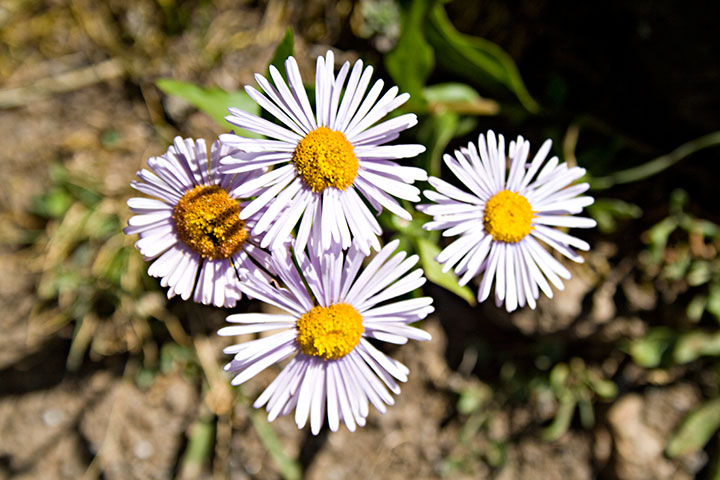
(640, 426)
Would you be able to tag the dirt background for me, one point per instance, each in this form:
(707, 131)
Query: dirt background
(76, 90)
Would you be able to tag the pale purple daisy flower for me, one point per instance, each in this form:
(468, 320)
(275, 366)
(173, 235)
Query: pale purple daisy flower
(326, 164)
(331, 312)
(192, 227)
(504, 215)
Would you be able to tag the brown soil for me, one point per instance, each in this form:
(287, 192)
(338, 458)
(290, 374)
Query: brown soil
(102, 420)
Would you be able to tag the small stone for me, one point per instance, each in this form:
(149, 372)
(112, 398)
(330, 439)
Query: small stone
(52, 417)
(143, 450)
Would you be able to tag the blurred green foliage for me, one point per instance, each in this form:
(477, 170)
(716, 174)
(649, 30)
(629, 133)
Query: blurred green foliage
(450, 110)
(683, 252)
(90, 275)
(213, 100)
(94, 281)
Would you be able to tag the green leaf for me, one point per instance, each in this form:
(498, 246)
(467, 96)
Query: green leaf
(53, 204)
(587, 414)
(474, 398)
(563, 417)
(412, 60)
(200, 443)
(607, 212)
(656, 165)
(692, 345)
(433, 271)
(282, 52)
(713, 304)
(436, 133)
(658, 237)
(700, 272)
(475, 59)
(289, 468)
(458, 98)
(649, 351)
(696, 430)
(605, 389)
(696, 307)
(212, 100)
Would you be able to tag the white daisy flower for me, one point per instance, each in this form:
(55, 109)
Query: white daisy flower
(331, 313)
(502, 217)
(192, 226)
(326, 164)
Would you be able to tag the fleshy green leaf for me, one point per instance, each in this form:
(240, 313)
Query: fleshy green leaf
(713, 303)
(692, 345)
(412, 60)
(433, 271)
(563, 417)
(213, 100)
(696, 307)
(696, 430)
(475, 58)
(650, 350)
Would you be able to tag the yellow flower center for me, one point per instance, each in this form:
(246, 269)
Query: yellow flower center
(207, 221)
(325, 158)
(329, 332)
(508, 217)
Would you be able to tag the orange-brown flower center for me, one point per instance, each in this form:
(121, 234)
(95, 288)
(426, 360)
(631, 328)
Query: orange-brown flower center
(207, 221)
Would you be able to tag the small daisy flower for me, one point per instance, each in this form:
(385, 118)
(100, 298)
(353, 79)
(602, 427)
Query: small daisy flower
(192, 226)
(503, 216)
(328, 164)
(331, 313)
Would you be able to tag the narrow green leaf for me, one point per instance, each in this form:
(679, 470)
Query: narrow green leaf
(282, 52)
(433, 271)
(289, 468)
(563, 417)
(587, 413)
(412, 60)
(212, 100)
(656, 165)
(476, 59)
(202, 436)
(696, 430)
(605, 389)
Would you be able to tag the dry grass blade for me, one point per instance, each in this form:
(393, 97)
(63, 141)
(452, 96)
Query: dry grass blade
(64, 82)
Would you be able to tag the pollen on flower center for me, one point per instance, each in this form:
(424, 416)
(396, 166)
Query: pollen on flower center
(325, 158)
(508, 217)
(329, 332)
(207, 221)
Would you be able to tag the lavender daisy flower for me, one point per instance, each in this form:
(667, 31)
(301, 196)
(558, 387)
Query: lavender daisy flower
(327, 164)
(192, 226)
(331, 312)
(502, 218)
